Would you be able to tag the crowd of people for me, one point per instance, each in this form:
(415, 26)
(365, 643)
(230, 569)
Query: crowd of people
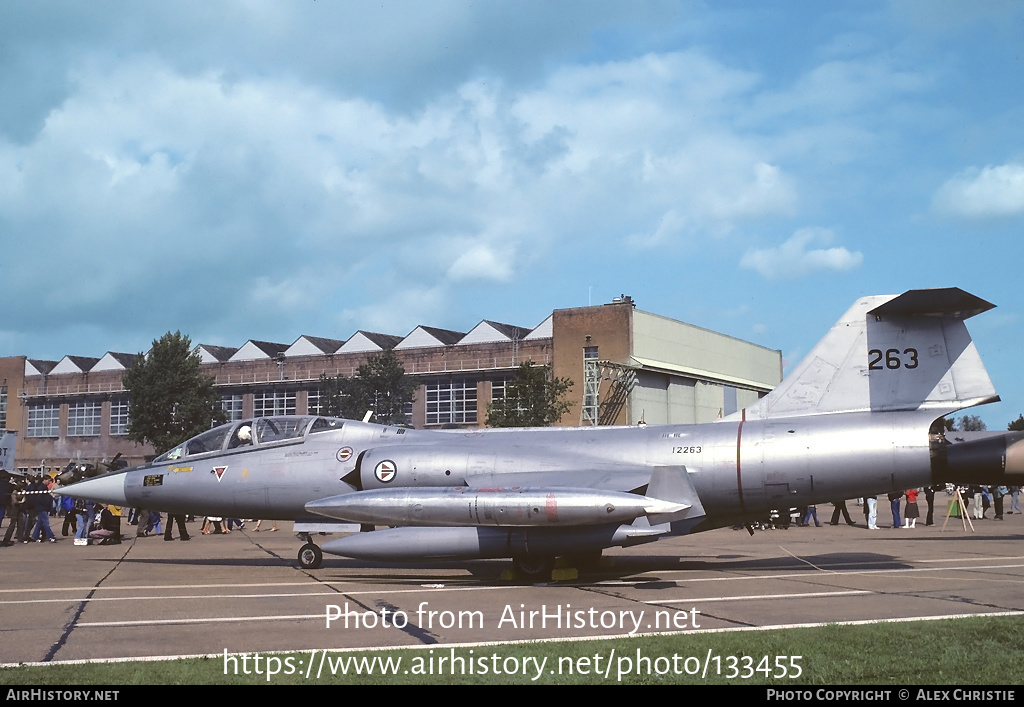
(976, 500)
(31, 503)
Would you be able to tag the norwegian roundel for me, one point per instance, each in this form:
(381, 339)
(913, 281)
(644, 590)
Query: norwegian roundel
(385, 471)
(344, 454)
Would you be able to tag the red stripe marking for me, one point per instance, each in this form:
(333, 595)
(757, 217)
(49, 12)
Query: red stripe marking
(551, 508)
(739, 476)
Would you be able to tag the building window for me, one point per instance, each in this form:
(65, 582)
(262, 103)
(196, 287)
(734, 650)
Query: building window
(729, 395)
(451, 402)
(498, 389)
(43, 420)
(273, 402)
(3, 407)
(84, 418)
(313, 402)
(231, 404)
(119, 416)
(591, 386)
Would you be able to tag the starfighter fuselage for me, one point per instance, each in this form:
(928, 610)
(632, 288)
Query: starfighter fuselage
(861, 415)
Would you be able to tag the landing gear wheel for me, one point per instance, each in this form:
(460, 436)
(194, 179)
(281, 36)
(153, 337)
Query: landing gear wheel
(310, 557)
(533, 568)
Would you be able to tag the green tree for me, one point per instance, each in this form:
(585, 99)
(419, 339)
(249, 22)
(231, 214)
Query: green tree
(171, 398)
(339, 397)
(385, 387)
(970, 423)
(1017, 425)
(380, 385)
(533, 398)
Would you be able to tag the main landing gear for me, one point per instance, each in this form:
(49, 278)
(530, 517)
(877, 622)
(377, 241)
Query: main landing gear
(533, 568)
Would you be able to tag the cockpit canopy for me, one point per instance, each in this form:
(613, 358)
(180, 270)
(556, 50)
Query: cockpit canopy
(258, 432)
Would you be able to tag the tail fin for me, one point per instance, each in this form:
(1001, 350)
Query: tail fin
(888, 353)
(7, 451)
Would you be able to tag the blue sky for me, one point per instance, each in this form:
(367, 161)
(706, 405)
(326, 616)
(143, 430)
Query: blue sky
(265, 170)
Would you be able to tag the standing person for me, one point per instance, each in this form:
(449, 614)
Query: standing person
(6, 489)
(975, 494)
(86, 511)
(29, 508)
(67, 505)
(812, 512)
(986, 500)
(1015, 496)
(214, 524)
(912, 511)
(18, 526)
(42, 503)
(840, 507)
(998, 494)
(182, 531)
(929, 497)
(894, 504)
(142, 522)
(871, 511)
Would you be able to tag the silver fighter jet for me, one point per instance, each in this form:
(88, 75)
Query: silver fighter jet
(861, 415)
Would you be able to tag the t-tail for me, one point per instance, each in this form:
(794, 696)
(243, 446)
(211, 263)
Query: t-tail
(908, 353)
(890, 353)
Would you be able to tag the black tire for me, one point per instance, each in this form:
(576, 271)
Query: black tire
(533, 568)
(310, 557)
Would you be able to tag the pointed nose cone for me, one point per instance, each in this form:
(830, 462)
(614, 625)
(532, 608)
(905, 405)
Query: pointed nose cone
(105, 489)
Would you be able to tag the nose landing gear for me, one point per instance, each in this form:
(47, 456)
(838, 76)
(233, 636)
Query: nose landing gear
(310, 555)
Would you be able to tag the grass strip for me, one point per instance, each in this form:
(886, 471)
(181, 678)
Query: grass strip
(980, 651)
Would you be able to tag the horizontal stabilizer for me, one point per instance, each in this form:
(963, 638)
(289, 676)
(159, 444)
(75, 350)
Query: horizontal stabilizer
(942, 302)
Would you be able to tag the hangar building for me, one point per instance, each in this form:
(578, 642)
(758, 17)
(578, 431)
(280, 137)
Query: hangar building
(627, 366)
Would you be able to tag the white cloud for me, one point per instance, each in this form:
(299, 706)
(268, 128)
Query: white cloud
(396, 311)
(246, 169)
(482, 263)
(842, 88)
(269, 186)
(992, 192)
(795, 258)
(645, 143)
